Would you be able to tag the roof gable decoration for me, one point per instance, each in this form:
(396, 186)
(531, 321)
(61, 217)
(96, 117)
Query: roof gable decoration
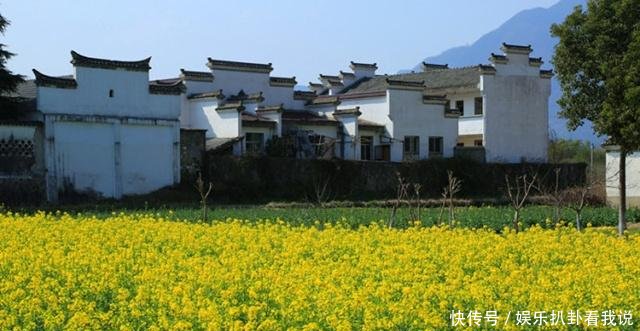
(516, 49)
(347, 112)
(207, 95)
(547, 74)
(324, 101)
(404, 84)
(176, 88)
(535, 61)
(304, 95)
(246, 98)
(486, 69)
(431, 99)
(43, 80)
(433, 66)
(368, 66)
(90, 62)
(239, 66)
(267, 109)
(231, 106)
(283, 81)
(498, 59)
(199, 76)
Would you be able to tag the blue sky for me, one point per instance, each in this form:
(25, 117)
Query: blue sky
(300, 38)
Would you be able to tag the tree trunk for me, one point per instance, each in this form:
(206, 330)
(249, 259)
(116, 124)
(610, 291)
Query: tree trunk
(578, 221)
(622, 186)
(516, 216)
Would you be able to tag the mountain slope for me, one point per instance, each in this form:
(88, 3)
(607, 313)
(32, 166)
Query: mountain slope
(527, 27)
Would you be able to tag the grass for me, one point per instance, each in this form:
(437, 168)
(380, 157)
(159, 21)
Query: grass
(494, 217)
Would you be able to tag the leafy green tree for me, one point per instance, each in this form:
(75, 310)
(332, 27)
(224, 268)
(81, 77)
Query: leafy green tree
(9, 105)
(597, 61)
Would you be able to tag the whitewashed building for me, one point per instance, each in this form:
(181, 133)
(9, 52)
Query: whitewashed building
(498, 109)
(503, 108)
(107, 130)
(632, 175)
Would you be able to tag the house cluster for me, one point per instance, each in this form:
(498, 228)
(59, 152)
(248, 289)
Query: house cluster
(109, 129)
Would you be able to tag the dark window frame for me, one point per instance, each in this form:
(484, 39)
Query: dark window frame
(411, 148)
(460, 106)
(366, 148)
(436, 146)
(250, 143)
(478, 108)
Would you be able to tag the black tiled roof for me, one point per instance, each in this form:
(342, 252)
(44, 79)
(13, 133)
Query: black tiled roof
(214, 94)
(434, 66)
(304, 95)
(348, 111)
(433, 79)
(85, 61)
(517, 47)
(277, 108)
(175, 88)
(364, 65)
(242, 96)
(249, 119)
(283, 81)
(57, 82)
(231, 106)
(201, 76)
(239, 66)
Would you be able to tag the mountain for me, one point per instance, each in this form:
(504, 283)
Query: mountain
(527, 27)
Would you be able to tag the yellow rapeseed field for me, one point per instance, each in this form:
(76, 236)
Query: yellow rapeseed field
(139, 272)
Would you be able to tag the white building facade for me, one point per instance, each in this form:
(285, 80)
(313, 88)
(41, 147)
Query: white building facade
(632, 174)
(107, 131)
(500, 108)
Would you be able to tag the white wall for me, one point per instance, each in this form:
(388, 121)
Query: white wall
(472, 125)
(143, 158)
(231, 82)
(87, 164)
(516, 122)
(125, 144)
(412, 117)
(204, 116)
(351, 141)
(632, 178)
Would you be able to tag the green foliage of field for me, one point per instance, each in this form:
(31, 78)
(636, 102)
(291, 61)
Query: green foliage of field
(473, 217)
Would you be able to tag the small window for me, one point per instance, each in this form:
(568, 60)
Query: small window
(366, 145)
(411, 147)
(460, 106)
(477, 142)
(460, 144)
(435, 146)
(110, 93)
(477, 110)
(254, 142)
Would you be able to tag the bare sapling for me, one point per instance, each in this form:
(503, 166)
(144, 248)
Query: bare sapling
(204, 194)
(554, 193)
(454, 185)
(518, 190)
(401, 194)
